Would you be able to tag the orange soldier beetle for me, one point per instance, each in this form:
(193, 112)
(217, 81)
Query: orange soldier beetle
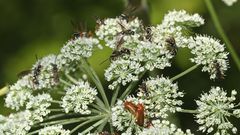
(136, 110)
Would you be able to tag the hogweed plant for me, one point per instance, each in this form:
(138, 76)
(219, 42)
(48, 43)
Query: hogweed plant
(129, 104)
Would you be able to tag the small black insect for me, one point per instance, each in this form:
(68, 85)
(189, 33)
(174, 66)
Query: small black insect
(219, 72)
(80, 30)
(118, 52)
(171, 45)
(125, 31)
(143, 88)
(99, 22)
(36, 73)
(55, 72)
(148, 35)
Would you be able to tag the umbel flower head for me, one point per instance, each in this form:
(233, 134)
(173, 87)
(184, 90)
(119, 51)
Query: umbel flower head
(160, 96)
(122, 72)
(176, 24)
(214, 110)
(16, 124)
(210, 53)
(78, 97)
(19, 93)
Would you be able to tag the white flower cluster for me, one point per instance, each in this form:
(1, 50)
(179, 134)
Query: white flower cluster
(153, 55)
(78, 97)
(215, 110)
(148, 47)
(175, 24)
(19, 93)
(78, 48)
(122, 72)
(22, 97)
(45, 72)
(39, 106)
(16, 124)
(209, 53)
(163, 127)
(229, 2)
(113, 29)
(160, 97)
(54, 130)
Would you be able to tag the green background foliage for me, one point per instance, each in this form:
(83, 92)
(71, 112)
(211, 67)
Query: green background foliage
(41, 27)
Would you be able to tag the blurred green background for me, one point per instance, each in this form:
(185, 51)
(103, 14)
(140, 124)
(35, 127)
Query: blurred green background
(41, 27)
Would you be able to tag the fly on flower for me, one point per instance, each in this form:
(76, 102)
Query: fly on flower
(80, 30)
(219, 72)
(143, 88)
(99, 22)
(36, 72)
(118, 52)
(148, 35)
(125, 31)
(171, 45)
(55, 71)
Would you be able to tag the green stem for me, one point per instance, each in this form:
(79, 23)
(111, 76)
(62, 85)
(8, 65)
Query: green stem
(221, 32)
(115, 94)
(86, 122)
(188, 111)
(93, 75)
(70, 78)
(65, 82)
(64, 122)
(56, 110)
(56, 102)
(184, 72)
(131, 86)
(101, 127)
(100, 104)
(93, 126)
